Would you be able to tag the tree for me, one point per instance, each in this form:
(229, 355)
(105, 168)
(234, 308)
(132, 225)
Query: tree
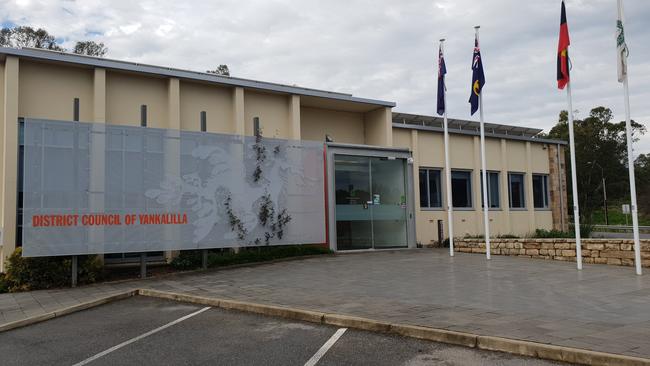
(221, 70)
(642, 175)
(90, 48)
(25, 36)
(601, 150)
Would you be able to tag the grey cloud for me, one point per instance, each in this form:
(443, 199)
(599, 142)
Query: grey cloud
(379, 49)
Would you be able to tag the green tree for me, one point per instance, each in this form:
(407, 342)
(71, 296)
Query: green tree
(90, 48)
(221, 70)
(642, 175)
(26, 36)
(601, 150)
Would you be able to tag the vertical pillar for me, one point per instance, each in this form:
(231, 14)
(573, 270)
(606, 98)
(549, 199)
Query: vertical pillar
(97, 161)
(239, 124)
(99, 96)
(10, 158)
(173, 104)
(294, 117)
(530, 204)
(557, 184)
(172, 148)
(505, 189)
(378, 126)
(416, 177)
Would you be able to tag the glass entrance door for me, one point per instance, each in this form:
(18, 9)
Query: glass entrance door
(353, 220)
(371, 208)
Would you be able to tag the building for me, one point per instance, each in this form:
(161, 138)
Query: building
(385, 170)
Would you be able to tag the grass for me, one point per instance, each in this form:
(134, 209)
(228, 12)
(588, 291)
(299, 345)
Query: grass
(616, 217)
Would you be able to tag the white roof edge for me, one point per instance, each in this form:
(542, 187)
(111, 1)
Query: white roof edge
(184, 74)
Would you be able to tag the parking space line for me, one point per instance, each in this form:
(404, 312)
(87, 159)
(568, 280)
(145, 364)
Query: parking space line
(321, 352)
(144, 335)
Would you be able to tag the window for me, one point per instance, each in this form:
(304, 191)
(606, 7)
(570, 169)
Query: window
(430, 188)
(493, 189)
(540, 190)
(461, 188)
(516, 184)
(143, 115)
(204, 121)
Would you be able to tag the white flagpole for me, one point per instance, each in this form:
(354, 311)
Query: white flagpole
(630, 155)
(486, 208)
(574, 180)
(450, 214)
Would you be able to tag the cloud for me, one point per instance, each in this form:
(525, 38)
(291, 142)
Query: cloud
(378, 49)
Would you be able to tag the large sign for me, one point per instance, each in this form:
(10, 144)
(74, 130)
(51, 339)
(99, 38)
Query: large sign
(99, 188)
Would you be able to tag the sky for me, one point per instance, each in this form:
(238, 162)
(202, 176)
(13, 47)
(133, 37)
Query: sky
(381, 49)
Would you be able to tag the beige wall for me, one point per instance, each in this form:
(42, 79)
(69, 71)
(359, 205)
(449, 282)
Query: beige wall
(216, 101)
(48, 91)
(502, 156)
(273, 111)
(125, 93)
(342, 126)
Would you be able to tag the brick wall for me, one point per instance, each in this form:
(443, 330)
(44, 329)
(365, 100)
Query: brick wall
(558, 187)
(598, 251)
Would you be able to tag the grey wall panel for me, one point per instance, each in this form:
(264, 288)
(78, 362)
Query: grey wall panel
(203, 184)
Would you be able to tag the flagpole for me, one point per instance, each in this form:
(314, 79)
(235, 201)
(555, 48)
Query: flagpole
(450, 215)
(486, 208)
(630, 159)
(574, 180)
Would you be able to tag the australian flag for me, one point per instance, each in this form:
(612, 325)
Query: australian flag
(478, 77)
(442, 70)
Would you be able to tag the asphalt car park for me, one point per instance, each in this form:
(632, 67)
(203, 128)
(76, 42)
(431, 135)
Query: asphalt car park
(148, 331)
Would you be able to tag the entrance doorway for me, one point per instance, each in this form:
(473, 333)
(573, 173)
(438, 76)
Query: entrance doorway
(372, 208)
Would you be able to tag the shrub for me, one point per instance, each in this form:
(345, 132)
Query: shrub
(190, 259)
(507, 236)
(24, 274)
(4, 286)
(585, 232)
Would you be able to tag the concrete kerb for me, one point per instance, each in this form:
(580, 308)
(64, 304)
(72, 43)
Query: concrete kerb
(67, 310)
(489, 343)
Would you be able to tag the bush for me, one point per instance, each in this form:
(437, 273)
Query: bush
(25, 274)
(507, 236)
(191, 259)
(585, 232)
(4, 286)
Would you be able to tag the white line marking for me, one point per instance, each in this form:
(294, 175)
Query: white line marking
(126, 343)
(321, 352)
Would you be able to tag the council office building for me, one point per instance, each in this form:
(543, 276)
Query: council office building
(100, 156)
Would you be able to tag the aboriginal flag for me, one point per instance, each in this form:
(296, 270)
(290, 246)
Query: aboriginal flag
(478, 77)
(563, 52)
(442, 70)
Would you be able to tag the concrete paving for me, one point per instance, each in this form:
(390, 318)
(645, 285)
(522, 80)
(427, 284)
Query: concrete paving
(603, 308)
(218, 337)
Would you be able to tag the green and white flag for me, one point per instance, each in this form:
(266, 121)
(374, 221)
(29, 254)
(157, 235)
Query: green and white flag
(621, 47)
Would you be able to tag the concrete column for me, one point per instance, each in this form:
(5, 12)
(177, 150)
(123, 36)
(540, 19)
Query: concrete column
(10, 158)
(416, 177)
(174, 104)
(239, 124)
(378, 126)
(99, 96)
(97, 163)
(530, 204)
(173, 151)
(294, 117)
(505, 188)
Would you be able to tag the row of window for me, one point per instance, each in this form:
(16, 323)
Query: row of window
(461, 189)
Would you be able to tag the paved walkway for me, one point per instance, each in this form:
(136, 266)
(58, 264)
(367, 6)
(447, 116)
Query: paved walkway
(602, 308)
